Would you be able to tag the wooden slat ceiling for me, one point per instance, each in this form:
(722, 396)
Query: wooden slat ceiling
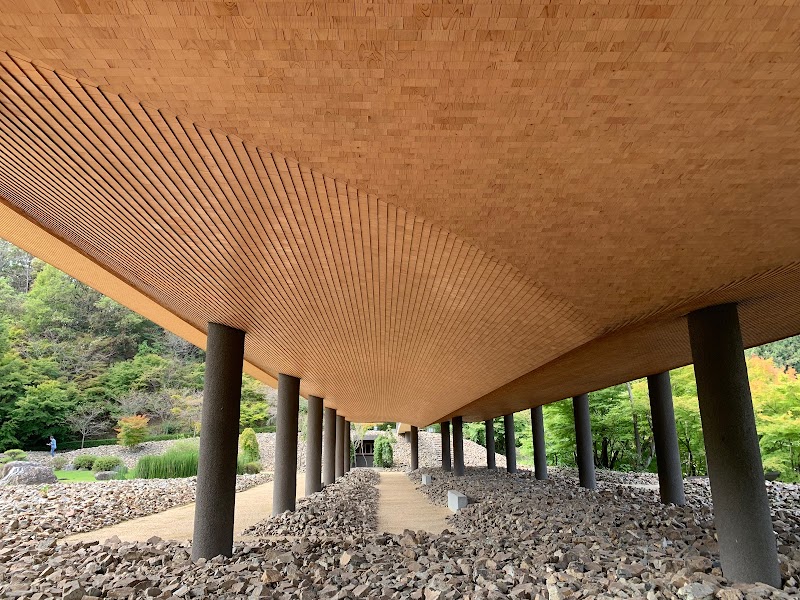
(420, 209)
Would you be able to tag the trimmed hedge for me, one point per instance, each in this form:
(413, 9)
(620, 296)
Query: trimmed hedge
(106, 463)
(84, 462)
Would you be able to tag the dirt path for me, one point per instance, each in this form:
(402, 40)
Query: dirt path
(177, 523)
(403, 507)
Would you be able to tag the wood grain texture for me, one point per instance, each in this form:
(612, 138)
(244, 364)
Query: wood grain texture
(420, 208)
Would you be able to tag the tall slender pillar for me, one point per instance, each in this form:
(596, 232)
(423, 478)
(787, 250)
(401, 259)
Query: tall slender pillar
(314, 446)
(284, 488)
(539, 452)
(339, 446)
(347, 444)
(329, 446)
(665, 438)
(446, 462)
(583, 441)
(747, 546)
(414, 448)
(219, 441)
(458, 446)
(491, 462)
(511, 443)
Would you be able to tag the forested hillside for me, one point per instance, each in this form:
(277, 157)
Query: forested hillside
(73, 361)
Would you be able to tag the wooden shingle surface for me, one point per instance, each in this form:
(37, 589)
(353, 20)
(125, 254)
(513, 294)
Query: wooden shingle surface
(421, 209)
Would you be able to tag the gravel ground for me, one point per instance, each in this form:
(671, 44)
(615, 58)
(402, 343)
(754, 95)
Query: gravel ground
(346, 508)
(621, 536)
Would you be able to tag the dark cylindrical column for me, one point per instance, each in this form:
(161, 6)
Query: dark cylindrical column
(491, 462)
(747, 546)
(314, 446)
(583, 441)
(348, 432)
(458, 446)
(329, 446)
(511, 443)
(414, 448)
(539, 452)
(284, 488)
(219, 441)
(339, 446)
(665, 438)
(446, 462)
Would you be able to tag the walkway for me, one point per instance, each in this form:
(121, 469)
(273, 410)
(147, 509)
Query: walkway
(402, 506)
(177, 523)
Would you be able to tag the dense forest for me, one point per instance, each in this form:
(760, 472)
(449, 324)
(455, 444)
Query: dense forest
(73, 362)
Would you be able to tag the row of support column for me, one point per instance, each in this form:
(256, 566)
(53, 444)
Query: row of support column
(747, 543)
(741, 508)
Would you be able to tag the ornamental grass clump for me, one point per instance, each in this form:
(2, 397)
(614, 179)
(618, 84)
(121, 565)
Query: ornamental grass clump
(173, 464)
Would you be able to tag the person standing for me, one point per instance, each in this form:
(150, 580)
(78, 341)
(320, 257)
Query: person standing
(52, 444)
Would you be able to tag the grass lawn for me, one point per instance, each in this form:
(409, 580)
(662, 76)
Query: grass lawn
(70, 476)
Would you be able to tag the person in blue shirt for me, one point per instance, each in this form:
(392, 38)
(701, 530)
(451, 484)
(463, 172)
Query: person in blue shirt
(52, 444)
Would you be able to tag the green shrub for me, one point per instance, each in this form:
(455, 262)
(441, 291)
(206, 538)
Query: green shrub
(15, 454)
(170, 465)
(84, 462)
(106, 463)
(252, 468)
(248, 444)
(59, 463)
(383, 454)
(122, 472)
(132, 431)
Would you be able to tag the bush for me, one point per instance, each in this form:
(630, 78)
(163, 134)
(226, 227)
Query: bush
(132, 431)
(175, 463)
(248, 444)
(252, 468)
(383, 454)
(106, 463)
(12, 454)
(59, 463)
(84, 462)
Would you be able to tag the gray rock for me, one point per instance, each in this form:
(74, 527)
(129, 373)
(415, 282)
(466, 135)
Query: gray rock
(27, 473)
(105, 475)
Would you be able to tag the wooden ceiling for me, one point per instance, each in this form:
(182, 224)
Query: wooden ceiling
(420, 209)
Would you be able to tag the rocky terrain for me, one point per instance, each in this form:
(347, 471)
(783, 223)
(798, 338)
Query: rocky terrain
(430, 452)
(346, 508)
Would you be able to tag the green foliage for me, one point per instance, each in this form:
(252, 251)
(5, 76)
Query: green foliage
(84, 462)
(251, 468)
(59, 463)
(172, 464)
(383, 455)
(15, 454)
(784, 353)
(248, 444)
(132, 431)
(107, 463)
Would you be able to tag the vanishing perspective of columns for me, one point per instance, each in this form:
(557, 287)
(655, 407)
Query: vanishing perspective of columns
(490, 453)
(340, 424)
(414, 448)
(329, 446)
(458, 446)
(314, 446)
(511, 443)
(539, 452)
(445, 432)
(219, 443)
(665, 438)
(583, 441)
(284, 487)
(747, 545)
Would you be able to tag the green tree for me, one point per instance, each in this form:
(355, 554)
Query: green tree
(43, 412)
